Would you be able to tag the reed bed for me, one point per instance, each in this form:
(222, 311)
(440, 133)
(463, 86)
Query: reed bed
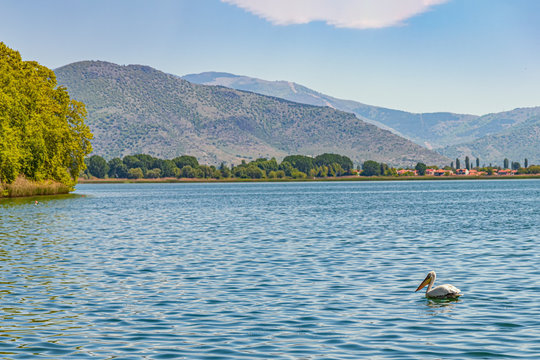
(24, 187)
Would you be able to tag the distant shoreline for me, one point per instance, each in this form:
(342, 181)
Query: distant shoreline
(341, 178)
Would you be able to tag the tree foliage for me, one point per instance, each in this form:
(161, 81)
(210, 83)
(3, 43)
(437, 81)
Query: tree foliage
(328, 159)
(421, 168)
(42, 130)
(97, 166)
(371, 168)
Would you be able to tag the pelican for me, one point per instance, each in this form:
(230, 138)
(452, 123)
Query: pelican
(445, 291)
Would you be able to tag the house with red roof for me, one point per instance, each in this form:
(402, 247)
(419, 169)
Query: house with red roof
(442, 172)
(410, 172)
(506, 172)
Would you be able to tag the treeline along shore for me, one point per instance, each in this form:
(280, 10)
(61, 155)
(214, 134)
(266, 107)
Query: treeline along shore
(146, 168)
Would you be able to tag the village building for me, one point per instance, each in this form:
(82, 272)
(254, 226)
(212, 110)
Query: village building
(442, 172)
(506, 172)
(407, 172)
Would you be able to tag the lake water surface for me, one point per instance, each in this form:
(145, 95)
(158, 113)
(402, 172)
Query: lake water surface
(322, 270)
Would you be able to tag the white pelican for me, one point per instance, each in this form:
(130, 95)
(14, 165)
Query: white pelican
(445, 291)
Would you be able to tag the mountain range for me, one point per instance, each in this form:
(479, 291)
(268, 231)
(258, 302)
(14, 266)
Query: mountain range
(138, 109)
(453, 135)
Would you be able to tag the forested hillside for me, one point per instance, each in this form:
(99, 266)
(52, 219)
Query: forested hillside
(137, 109)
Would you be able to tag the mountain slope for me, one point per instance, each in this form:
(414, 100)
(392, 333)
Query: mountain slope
(139, 109)
(516, 143)
(433, 130)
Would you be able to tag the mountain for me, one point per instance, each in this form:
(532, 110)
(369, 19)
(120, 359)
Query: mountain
(516, 143)
(433, 130)
(138, 109)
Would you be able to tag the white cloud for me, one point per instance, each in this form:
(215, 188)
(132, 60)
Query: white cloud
(357, 14)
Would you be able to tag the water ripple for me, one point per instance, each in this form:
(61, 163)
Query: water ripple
(272, 271)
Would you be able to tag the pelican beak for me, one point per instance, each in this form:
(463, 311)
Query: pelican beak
(424, 283)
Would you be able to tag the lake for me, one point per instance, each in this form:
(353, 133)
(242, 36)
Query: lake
(316, 270)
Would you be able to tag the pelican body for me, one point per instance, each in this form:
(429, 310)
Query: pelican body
(445, 291)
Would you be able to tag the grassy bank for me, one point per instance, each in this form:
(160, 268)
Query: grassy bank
(23, 187)
(341, 178)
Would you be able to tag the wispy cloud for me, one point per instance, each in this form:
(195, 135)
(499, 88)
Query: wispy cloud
(357, 14)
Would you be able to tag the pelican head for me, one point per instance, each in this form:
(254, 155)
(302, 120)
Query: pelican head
(430, 279)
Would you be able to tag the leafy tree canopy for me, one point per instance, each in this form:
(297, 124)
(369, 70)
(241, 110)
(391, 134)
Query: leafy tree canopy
(327, 159)
(97, 166)
(300, 162)
(185, 160)
(371, 168)
(42, 130)
(421, 168)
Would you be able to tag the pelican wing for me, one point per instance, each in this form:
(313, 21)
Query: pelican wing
(444, 291)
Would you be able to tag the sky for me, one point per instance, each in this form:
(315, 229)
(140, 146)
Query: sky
(463, 56)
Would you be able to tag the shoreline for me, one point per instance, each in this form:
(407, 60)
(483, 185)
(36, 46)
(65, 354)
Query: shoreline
(342, 178)
(23, 187)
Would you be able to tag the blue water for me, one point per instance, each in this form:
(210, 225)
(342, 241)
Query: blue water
(272, 271)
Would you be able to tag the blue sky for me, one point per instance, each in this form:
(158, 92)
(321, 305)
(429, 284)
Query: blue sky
(467, 56)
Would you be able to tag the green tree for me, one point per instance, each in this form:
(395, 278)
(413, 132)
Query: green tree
(300, 162)
(240, 172)
(147, 162)
(117, 168)
(97, 166)
(526, 163)
(421, 168)
(297, 174)
(153, 173)
(266, 165)
(168, 168)
(371, 168)
(323, 171)
(185, 160)
(42, 131)
(225, 171)
(286, 167)
(338, 170)
(254, 172)
(135, 173)
(533, 169)
(207, 171)
(216, 174)
(326, 159)
(132, 162)
(188, 172)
